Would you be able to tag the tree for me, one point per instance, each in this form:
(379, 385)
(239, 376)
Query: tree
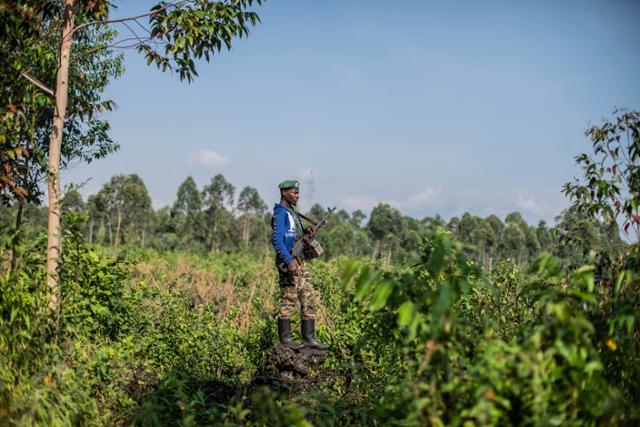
(97, 208)
(217, 219)
(385, 228)
(582, 239)
(178, 33)
(344, 239)
(126, 205)
(317, 211)
(484, 237)
(252, 208)
(72, 201)
(357, 217)
(610, 186)
(452, 225)
(545, 238)
(495, 223)
(532, 243)
(512, 242)
(186, 212)
(515, 218)
(433, 223)
(28, 41)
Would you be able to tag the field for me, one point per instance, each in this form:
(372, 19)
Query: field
(148, 338)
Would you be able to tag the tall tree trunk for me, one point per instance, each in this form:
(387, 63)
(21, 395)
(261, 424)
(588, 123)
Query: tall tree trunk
(54, 240)
(16, 240)
(376, 248)
(90, 237)
(245, 230)
(117, 239)
(213, 233)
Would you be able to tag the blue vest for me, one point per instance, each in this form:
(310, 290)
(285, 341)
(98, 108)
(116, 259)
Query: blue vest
(284, 225)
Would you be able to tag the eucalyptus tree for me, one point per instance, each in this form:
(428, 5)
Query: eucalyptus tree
(485, 239)
(512, 242)
(218, 221)
(385, 227)
(545, 236)
(97, 208)
(186, 212)
(344, 239)
(30, 31)
(252, 208)
(495, 223)
(72, 201)
(465, 227)
(172, 35)
(126, 207)
(432, 224)
(357, 217)
(453, 224)
(317, 211)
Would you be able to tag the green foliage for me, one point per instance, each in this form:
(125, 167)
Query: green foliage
(96, 302)
(192, 30)
(611, 183)
(121, 210)
(505, 349)
(160, 339)
(29, 37)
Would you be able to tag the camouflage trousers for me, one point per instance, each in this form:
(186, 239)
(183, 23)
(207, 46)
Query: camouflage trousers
(296, 286)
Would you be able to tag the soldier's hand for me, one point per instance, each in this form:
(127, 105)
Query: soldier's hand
(293, 266)
(311, 230)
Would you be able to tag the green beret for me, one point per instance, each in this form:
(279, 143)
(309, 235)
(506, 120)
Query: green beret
(290, 183)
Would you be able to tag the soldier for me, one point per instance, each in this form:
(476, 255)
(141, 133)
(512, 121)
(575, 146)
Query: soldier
(295, 279)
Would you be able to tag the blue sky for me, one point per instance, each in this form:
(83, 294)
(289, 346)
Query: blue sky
(434, 107)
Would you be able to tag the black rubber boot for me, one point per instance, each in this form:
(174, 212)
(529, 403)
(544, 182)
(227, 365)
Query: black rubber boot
(284, 332)
(308, 334)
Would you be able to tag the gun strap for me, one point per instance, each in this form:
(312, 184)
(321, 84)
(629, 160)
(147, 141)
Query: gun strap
(307, 218)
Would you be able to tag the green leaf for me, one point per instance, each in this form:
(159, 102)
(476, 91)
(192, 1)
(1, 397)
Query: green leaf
(445, 296)
(585, 273)
(381, 295)
(436, 260)
(349, 271)
(365, 282)
(405, 313)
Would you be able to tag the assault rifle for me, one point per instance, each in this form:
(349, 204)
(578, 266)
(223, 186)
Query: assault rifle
(306, 243)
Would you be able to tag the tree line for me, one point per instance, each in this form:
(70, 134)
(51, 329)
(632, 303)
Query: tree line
(217, 218)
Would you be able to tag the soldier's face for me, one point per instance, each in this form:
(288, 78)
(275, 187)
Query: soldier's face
(292, 195)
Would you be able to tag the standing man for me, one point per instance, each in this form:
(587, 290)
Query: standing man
(295, 279)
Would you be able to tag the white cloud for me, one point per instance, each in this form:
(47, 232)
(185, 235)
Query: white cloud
(208, 158)
(530, 205)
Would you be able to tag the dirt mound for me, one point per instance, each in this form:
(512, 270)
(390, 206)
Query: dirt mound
(292, 370)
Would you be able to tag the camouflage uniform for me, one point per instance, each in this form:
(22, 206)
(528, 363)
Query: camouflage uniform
(297, 286)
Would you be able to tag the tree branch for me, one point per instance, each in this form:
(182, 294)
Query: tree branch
(130, 18)
(119, 44)
(38, 83)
